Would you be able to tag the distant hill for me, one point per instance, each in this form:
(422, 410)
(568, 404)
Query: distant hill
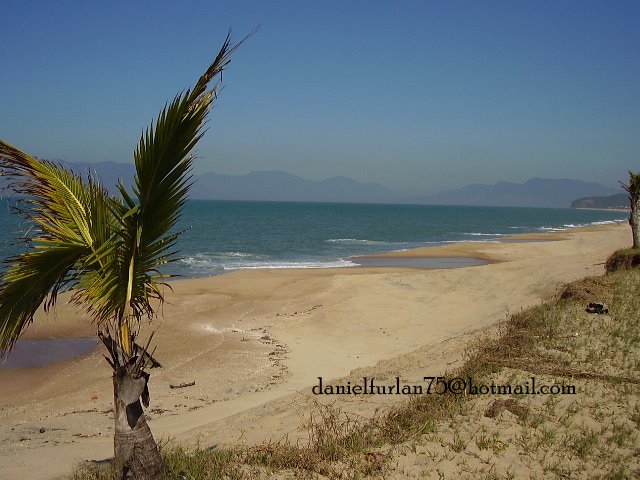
(282, 186)
(620, 200)
(537, 192)
(261, 186)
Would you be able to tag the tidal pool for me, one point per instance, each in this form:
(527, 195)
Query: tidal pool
(38, 353)
(419, 262)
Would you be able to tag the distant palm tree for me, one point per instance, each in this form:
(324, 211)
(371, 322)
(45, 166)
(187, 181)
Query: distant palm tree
(107, 251)
(633, 189)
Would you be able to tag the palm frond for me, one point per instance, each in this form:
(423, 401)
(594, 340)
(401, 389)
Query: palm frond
(633, 187)
(109, 250)
(72, 235)
(57, 201)
(163, 160)
(30, 280)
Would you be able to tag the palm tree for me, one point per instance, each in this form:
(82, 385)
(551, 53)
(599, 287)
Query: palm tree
(633, 189)
(107, 251)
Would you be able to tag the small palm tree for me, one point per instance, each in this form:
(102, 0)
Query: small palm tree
(633, 189)
(107, 251)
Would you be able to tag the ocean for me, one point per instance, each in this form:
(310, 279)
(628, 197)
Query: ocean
(223, 236)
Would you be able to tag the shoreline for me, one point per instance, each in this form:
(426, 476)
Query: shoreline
(66, 326)
(625, 210)
(259, 338)
(345, 257)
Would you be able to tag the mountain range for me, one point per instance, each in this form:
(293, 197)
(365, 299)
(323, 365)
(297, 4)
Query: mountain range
(536, 192)
(282, 186)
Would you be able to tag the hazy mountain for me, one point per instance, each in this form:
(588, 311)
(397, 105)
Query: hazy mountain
(537, 192)
(266, 186)
(620, 200)
(282, 186)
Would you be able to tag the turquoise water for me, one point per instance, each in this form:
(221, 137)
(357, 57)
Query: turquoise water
(226, 235)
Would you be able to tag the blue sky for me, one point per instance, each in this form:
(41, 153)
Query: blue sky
(417, 95)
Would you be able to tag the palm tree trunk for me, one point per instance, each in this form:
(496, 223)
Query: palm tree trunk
(634, 220)
(136, 452)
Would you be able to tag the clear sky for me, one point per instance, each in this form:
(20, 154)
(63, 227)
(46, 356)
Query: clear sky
(417, 95)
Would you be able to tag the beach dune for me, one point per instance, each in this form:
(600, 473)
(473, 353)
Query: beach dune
(255, 342)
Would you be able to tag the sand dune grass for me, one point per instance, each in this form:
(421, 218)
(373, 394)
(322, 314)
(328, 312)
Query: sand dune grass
(623, 259)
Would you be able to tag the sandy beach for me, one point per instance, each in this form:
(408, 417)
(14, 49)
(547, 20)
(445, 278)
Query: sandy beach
(256, 341)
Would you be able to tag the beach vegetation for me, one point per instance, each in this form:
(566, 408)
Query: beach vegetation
(107, 250)
(633, 190)
(623, 259)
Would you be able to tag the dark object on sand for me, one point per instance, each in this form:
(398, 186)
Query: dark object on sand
(597, 307)
(498, 406)
(183, 385)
